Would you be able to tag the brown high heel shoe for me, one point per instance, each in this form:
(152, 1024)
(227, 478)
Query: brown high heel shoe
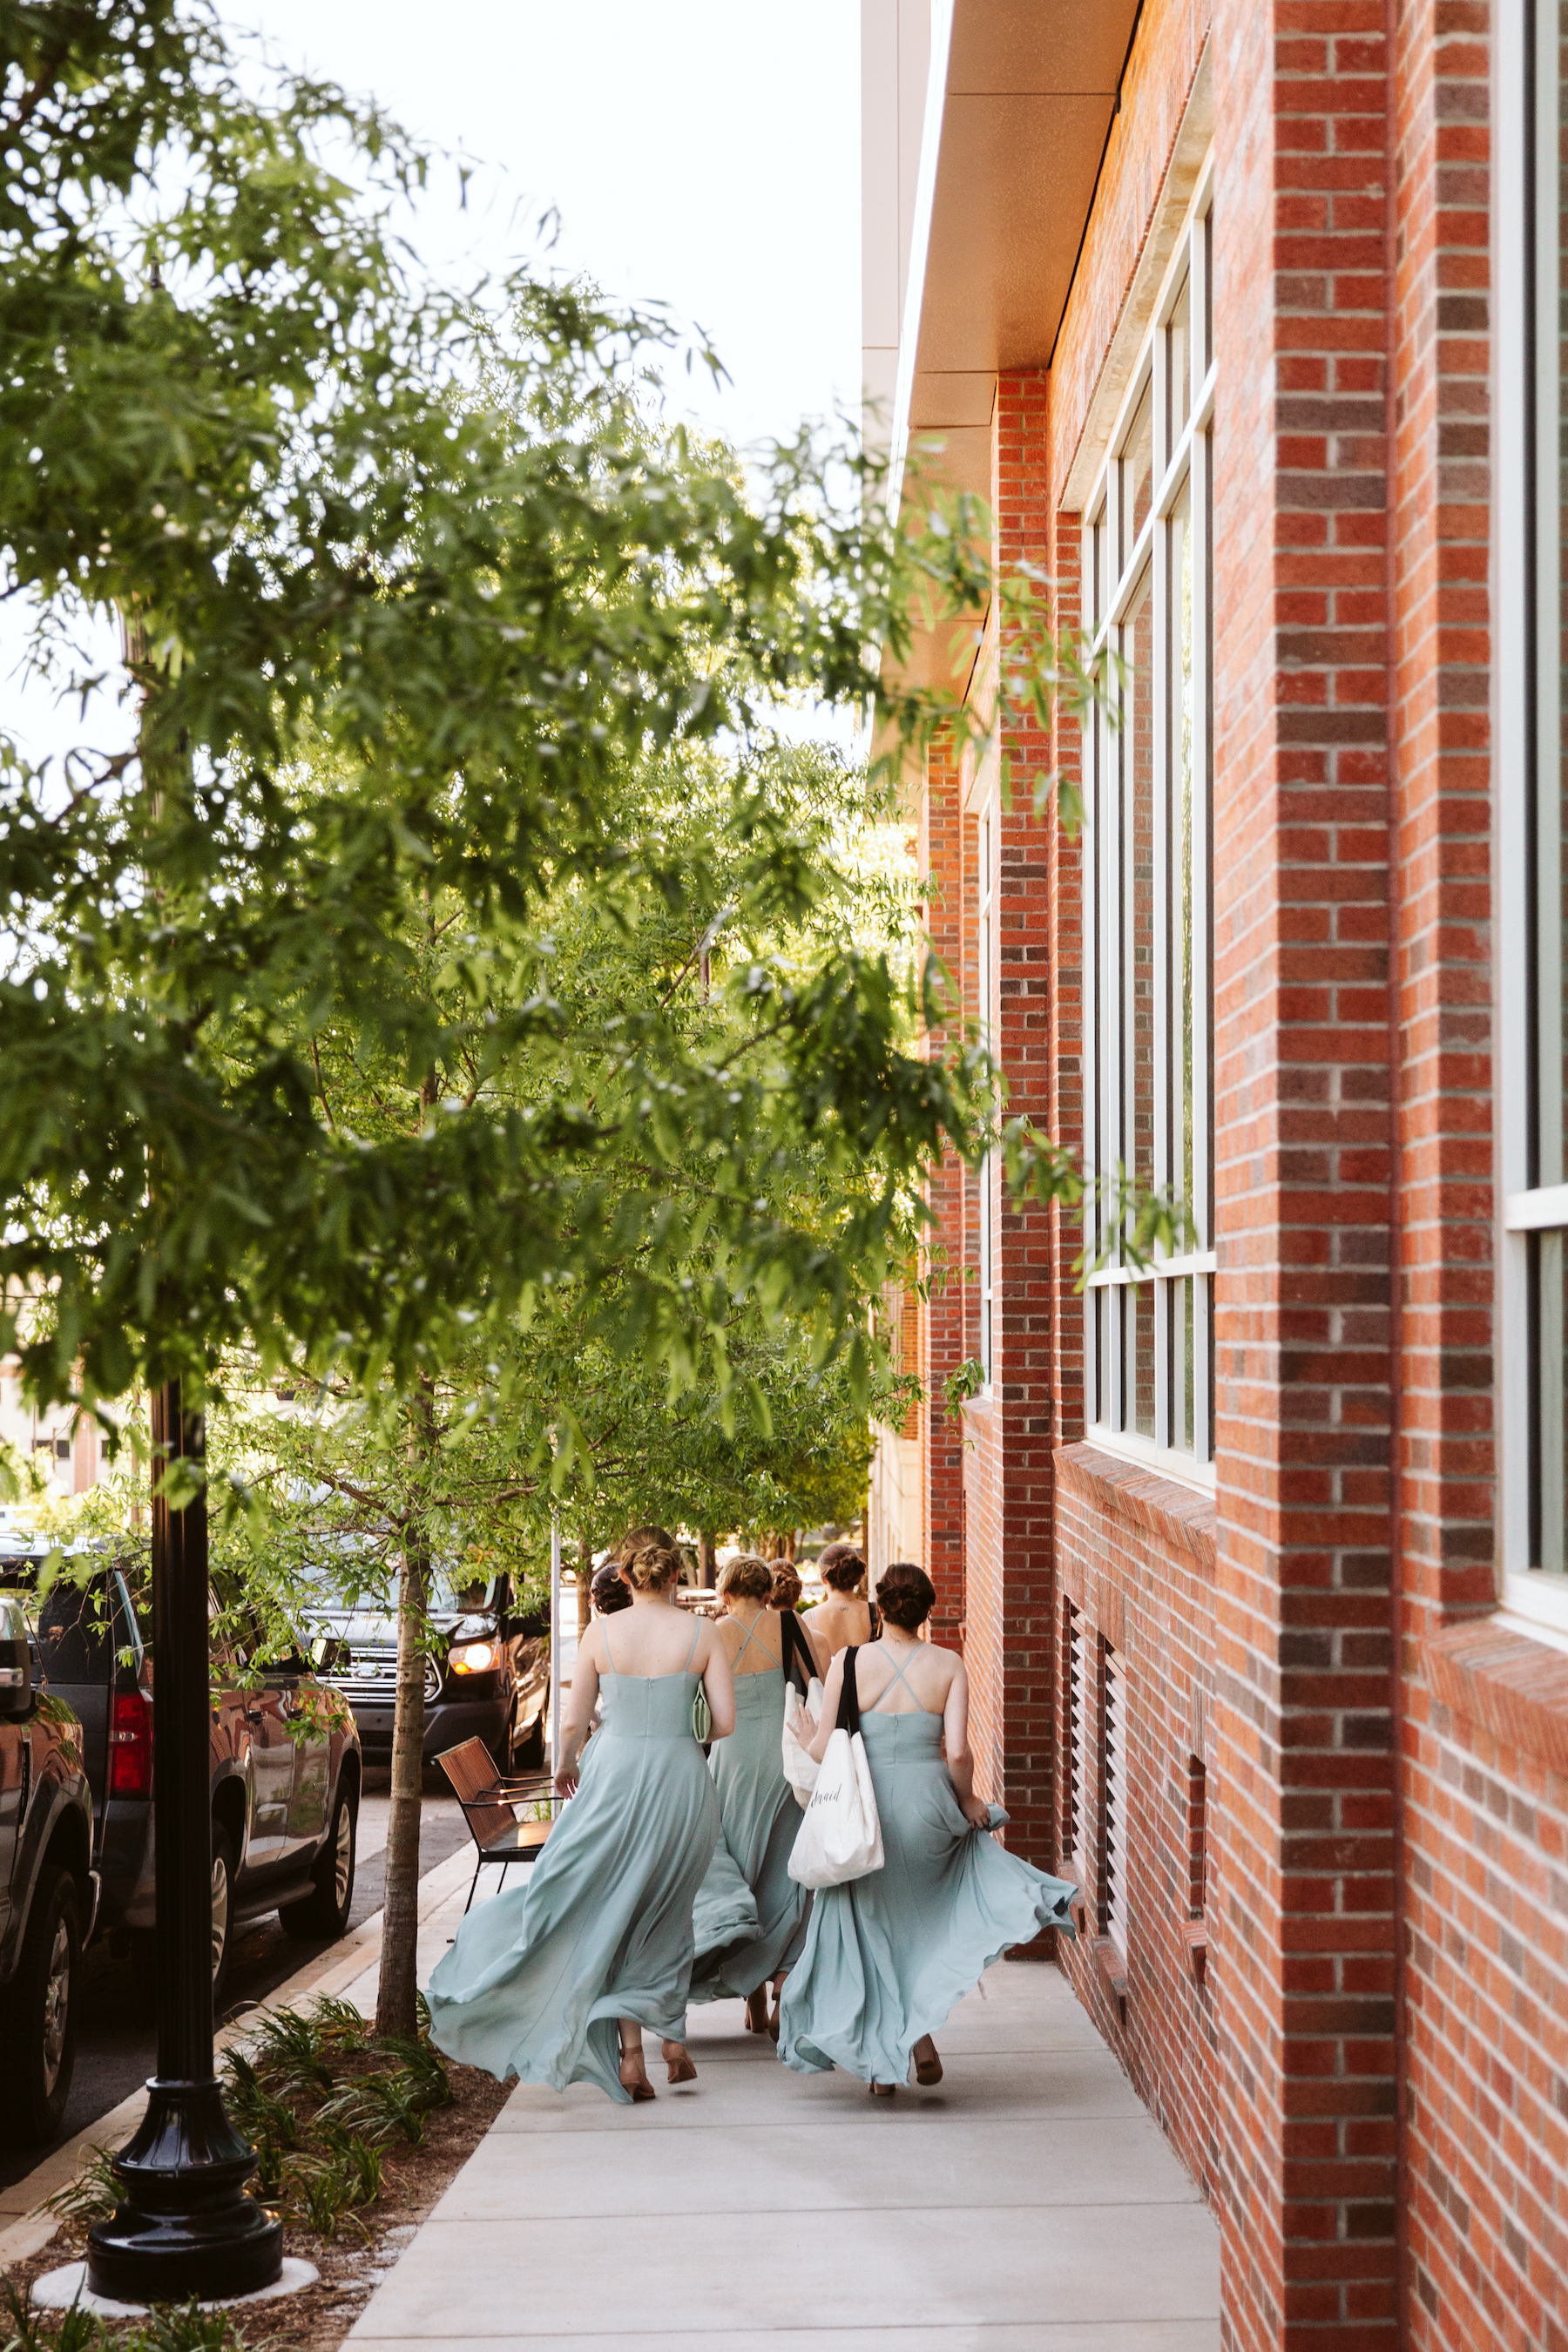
(634, 2080)
(928, 2070)
(678, 2063)
(757, 2011)
(882, 2090)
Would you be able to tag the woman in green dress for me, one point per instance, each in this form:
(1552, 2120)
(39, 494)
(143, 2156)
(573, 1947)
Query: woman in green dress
(889, 1954)
(757, 1806)
(555, 1980)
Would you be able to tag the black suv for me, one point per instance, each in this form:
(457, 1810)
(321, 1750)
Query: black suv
(486, 1677)
(285, 1764)
(48, 1891)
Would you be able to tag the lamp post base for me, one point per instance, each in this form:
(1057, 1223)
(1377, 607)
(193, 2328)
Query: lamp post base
(185, 2225)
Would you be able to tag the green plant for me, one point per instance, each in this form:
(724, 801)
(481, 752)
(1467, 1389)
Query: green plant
(75, 2330)
(340, 2025)
(185, 2327)
(257, 2110)
(288, 2052)
(318, 2193)
(359, 2161)
(92, 2196)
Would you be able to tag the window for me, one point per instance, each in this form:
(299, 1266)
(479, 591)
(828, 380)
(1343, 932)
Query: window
(1148, 560)
(987, 1177)
(1532, 772)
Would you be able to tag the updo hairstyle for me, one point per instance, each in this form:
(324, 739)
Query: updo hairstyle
(787, 1586)
(841, 1567)
(649, 1560)
(905, 1595)
(609, 1589)
(747, 1577)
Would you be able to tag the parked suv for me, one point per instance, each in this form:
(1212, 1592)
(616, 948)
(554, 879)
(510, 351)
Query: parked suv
(488, 1676)
(285, 1763)
(47, 1889)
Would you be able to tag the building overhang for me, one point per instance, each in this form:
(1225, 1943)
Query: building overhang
(1019, 105)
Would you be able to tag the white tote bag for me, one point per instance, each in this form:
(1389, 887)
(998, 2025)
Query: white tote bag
(800, 1766)
(840, 1838)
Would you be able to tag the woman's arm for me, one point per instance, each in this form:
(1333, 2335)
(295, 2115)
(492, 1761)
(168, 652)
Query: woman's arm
(830, 1691)
(719, 1684)
(960, 1762)
(576, 1714)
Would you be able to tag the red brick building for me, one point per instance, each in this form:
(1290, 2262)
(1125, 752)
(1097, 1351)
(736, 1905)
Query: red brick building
(1244, 315)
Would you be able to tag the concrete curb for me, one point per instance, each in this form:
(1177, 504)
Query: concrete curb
(28, 2230)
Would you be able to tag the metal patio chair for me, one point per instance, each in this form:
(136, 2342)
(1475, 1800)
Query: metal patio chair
(488, 1800)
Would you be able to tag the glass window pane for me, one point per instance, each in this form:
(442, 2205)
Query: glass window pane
(1138, 850)
(1551, 1265)
(1178, 364)
(1137, 462)
(1141, 1327)
(1184, 847)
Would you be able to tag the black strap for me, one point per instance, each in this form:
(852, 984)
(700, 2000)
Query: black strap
(797, 1658)
(848, 1697)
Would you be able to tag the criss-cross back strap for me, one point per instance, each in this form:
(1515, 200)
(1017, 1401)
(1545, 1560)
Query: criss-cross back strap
(899, 1674)
(753, 1635)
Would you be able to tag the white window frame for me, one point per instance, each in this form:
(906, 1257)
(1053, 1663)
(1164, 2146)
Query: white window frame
(1177, 461)
(1533, 1216)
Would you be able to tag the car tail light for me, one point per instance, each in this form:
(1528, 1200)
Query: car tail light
(130, 1746)
(474, 1657)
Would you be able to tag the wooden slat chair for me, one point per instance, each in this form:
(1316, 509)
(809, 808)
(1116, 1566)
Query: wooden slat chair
(486, 1800)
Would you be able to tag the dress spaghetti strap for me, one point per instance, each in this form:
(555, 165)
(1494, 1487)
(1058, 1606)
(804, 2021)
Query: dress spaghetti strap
(605, 1628)
(899, 1674)
(751, 1635)
(695, 1637)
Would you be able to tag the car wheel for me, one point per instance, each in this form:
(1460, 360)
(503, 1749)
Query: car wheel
(37, 2017)
(223, 1914)
(325, 1910)
(528, 1749)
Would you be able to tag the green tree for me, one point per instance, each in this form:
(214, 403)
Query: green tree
(413, 595)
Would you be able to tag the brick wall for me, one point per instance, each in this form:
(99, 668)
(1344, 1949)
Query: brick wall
(1342, 1985)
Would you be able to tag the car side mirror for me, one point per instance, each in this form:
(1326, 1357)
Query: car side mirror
(15, 1662)
(328, 1654)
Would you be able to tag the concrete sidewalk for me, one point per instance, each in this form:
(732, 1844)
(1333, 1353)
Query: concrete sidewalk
(1029, 2202)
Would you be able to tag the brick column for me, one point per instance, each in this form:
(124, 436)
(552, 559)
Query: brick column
(943, 1342)
(1303, 1931)
(1021, 1016)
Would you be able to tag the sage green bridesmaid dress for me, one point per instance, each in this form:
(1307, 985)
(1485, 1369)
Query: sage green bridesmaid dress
(888, 1956)
(602, 1929)
(760, 1816)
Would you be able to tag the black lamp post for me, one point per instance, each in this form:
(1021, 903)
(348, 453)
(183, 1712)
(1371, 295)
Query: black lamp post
(184, 2225)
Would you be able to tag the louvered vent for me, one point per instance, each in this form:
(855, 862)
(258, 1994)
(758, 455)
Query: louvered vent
(1116, 1797)
(1074, 1839)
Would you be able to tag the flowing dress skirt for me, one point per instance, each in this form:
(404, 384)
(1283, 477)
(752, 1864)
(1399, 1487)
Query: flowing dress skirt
(602, 1929)
(888, 1956)
(760, 1817)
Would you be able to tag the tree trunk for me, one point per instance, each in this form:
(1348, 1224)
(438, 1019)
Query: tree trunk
(709, 1545)
(395, 2008)
(585, 1584)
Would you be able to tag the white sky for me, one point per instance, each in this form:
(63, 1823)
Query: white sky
(704, 153)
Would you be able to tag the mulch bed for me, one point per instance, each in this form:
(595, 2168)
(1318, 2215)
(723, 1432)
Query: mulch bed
(367, 2243)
